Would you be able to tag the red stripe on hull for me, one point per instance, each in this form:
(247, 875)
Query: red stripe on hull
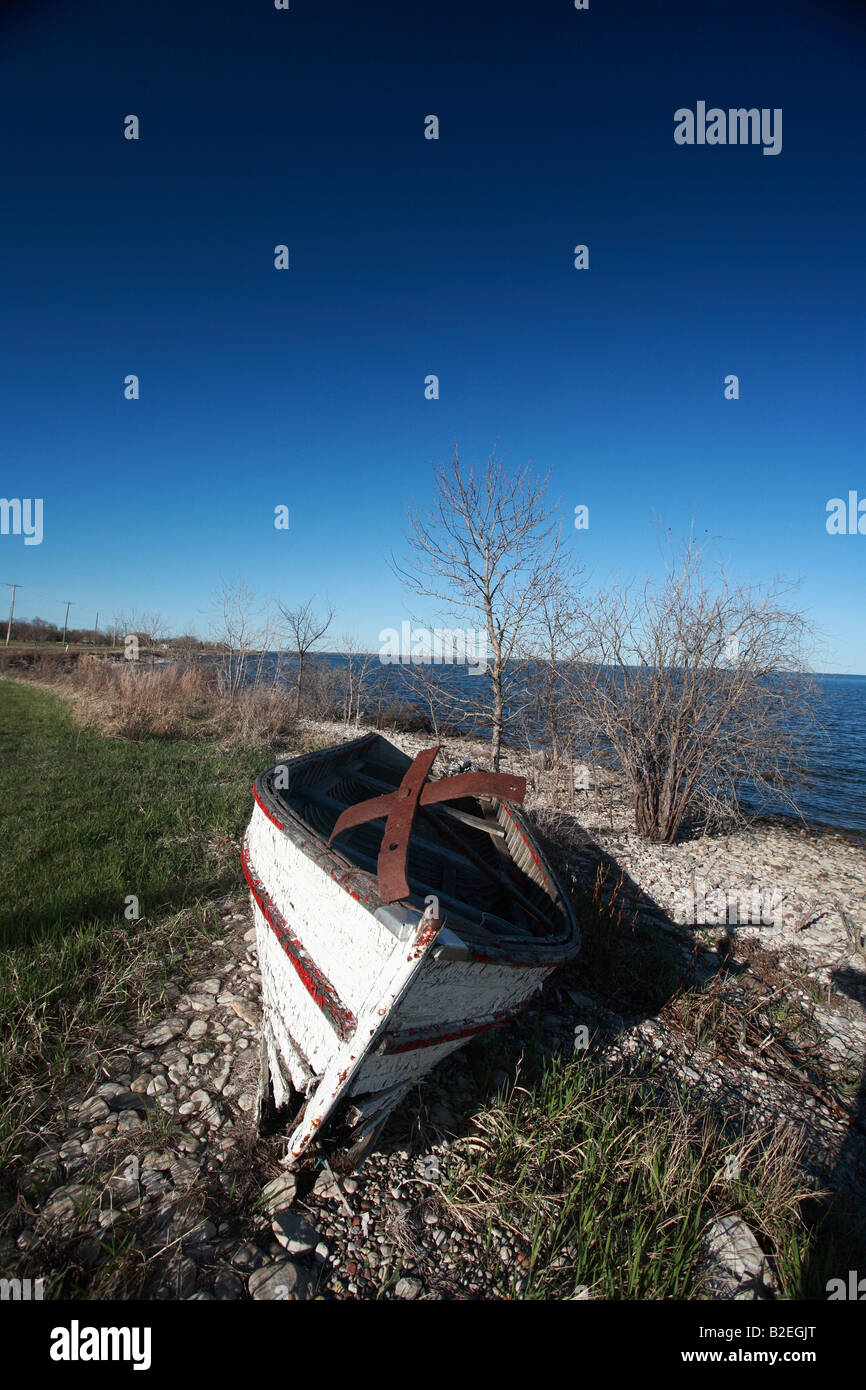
(434, 1036)
(317, 985)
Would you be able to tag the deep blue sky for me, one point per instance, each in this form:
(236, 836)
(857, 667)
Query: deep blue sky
(410, 257)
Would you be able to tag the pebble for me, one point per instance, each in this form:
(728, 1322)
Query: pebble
(163, 1032)
(210, 986)
(737, 1267)
(64, 1203)
(183, 1276)
(111, 1088)
(280, 1280)
(279, 1194)
(189, 1143)
(326, 1187)
(220, 1074)
(228, 1285)
(248, 1256)
(131, 1100)
(248, 1012)
(154, 1159)
(201, 1003)
(94, 1110)
(294, 1233)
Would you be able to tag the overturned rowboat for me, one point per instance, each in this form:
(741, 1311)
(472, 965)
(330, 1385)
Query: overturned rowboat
(396, 918)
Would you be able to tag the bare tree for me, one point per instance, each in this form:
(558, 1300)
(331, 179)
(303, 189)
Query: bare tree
(154, 627)
(697, 686)
(488, 552)
(155, 631)
(305, 628)
(357, 666)
(242, 629)
(128, 623)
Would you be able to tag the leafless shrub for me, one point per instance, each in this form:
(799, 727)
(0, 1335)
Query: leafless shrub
(387, 708)
(323, 690)
(150, 629)
(95, 674)
(697, 687)
(242, 637)
(556, 643)
(197, 684)
(355, 678)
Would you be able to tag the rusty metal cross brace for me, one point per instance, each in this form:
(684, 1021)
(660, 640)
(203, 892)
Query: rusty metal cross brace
(399, 807)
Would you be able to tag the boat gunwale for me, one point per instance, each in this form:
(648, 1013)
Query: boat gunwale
(527, 951)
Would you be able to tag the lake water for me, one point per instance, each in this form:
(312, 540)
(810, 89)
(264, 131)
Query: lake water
(833, 790)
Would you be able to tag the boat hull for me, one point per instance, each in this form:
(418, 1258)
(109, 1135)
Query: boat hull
(361, 1000)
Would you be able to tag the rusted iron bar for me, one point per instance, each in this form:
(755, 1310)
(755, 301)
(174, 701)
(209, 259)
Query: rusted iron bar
(400, 806)
(453, 812)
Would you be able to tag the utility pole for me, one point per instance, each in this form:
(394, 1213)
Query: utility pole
(95, 628)
(13, 587)
(68, 603)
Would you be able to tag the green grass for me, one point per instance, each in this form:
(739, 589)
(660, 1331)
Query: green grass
(604, 1182)
(86, 823)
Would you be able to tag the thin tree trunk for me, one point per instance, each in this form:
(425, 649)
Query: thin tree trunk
(498, 707)
(298, 686)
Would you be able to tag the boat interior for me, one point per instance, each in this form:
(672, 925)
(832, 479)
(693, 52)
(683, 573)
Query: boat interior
(470, 853)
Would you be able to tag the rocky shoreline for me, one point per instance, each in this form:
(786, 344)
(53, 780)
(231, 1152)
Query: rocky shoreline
(159, 1161)
(164, 1152)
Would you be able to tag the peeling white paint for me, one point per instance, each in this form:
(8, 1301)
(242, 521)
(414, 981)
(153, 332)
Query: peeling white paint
(383, 967)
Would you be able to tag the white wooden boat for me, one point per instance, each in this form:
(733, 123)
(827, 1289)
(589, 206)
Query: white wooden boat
(380, 954)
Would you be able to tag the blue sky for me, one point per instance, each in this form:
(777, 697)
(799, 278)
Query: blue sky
(408, 257)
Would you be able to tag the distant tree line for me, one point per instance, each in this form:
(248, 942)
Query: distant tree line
(39, 630)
